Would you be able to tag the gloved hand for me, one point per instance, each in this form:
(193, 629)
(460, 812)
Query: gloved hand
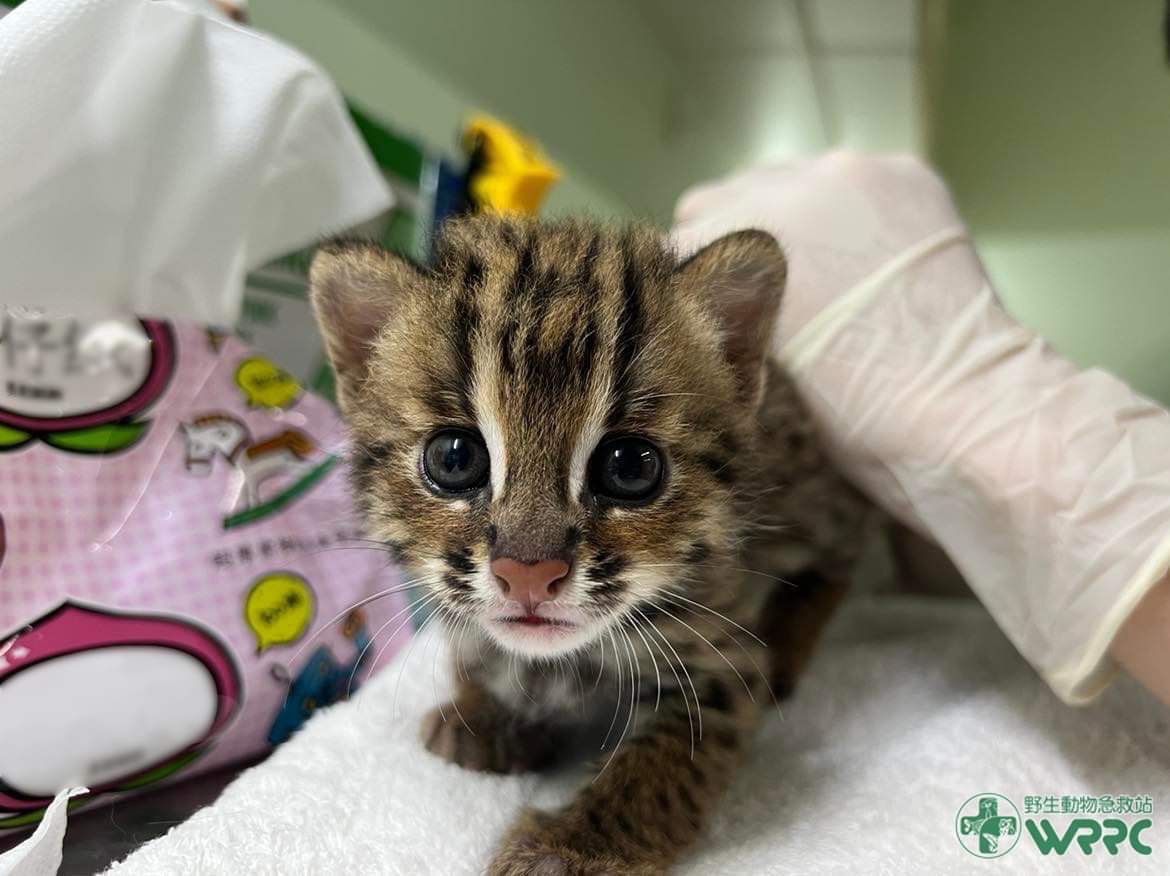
(1047, 485)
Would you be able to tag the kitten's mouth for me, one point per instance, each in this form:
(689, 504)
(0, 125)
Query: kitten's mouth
(533, 620)
(535, 635)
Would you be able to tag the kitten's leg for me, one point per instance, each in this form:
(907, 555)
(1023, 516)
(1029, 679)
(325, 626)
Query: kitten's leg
(792, 621)
(649, 803)
(478, 732)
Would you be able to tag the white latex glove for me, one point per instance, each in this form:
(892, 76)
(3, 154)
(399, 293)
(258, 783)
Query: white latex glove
(1048, 485)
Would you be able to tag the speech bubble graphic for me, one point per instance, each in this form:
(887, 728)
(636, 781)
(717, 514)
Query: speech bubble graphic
(80, 387)
(96, 696)
(266, 385)
(278, 609)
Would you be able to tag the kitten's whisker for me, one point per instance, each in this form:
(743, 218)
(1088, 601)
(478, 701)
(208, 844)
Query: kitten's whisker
(653, 659)
(479, 648)
(720, 566)
(362, 540)
(580, 686)
(354, 446)
(422, 605)
(410, 584)
(557, 662)
(645, 397)
(369, 644)
(617, 703)
(600, 666)
(766, 491)
(677, 597)
(571, 661)
(629, 713)
(656, 395)
(350, 544)
(519, 683)
(769, 527)
(746, 653)
(565, 665)
(458, 628)
(461, 669)
(635, 686)
(683, 666)
(722, 656)
(410, 650)
(636, 689)
(647, 345)
(434, 685)
(347, 547)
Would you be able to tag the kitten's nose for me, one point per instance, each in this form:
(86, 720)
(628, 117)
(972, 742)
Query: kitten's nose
(530, 584)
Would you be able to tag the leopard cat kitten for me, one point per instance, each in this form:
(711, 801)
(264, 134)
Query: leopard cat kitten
(614, 497)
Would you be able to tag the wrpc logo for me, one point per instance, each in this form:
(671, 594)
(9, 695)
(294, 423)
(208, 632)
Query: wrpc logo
(990, 825)
(1115, 824)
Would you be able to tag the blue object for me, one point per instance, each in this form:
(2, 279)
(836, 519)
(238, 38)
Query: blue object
(321, 682)
(450, 197)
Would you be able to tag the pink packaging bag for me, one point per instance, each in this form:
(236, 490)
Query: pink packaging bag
(178, 559)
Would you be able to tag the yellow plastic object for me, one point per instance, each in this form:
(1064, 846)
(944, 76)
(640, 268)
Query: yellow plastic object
(509, 172)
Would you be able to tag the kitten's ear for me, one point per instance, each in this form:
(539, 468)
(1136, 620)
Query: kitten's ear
(356, 289)
(742, 278)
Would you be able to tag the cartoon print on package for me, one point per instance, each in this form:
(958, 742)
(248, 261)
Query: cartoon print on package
(176, 565)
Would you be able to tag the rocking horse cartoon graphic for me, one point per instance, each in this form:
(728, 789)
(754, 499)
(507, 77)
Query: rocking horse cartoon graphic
(287, 456)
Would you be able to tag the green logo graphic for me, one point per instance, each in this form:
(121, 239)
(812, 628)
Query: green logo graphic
(1110, 832)
(988, 825)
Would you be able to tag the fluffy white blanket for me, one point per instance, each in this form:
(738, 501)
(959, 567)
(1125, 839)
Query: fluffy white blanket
(911, 707)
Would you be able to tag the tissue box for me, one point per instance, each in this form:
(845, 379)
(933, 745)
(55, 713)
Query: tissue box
(180, 574)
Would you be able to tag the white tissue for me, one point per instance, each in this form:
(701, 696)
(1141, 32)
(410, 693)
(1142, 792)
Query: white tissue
(40, 854)
(150, 155)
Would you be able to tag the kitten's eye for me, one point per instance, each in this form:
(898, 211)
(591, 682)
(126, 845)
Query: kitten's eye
(456, 461)
(626, 469)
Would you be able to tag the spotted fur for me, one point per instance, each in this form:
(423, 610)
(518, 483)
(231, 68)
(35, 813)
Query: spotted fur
(546, 338)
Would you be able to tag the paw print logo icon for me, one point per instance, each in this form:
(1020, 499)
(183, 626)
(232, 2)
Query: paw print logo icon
(988, 825)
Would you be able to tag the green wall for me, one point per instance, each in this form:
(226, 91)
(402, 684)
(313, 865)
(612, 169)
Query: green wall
(423, 67)
(1051, 121)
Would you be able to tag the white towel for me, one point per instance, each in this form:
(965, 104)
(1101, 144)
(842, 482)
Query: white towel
(911, 707)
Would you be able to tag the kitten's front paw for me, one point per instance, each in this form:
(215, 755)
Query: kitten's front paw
(535, 846)
(445, 735)
(477, 744)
